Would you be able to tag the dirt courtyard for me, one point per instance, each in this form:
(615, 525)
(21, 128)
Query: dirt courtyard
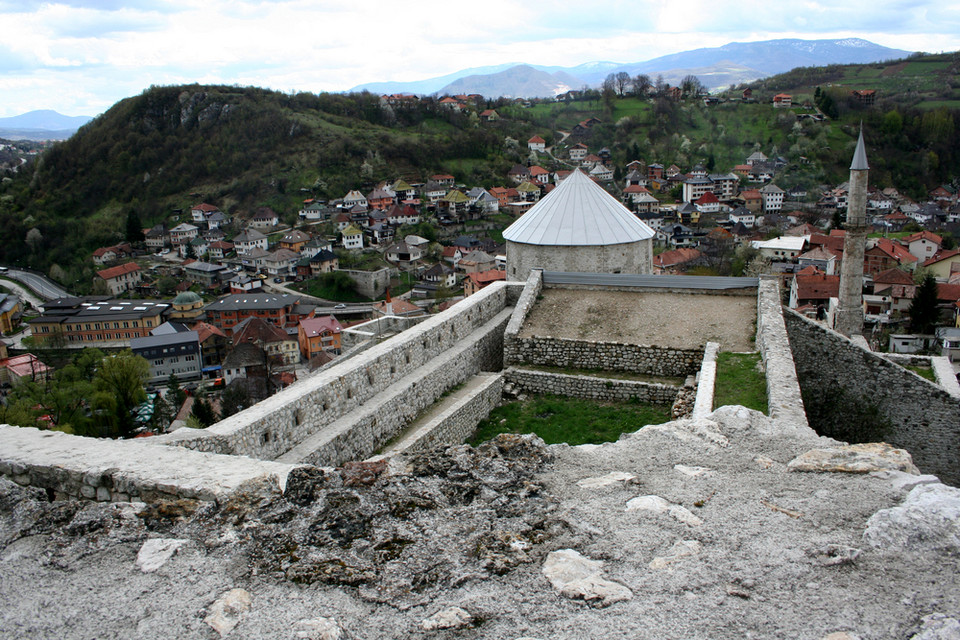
(661, 319)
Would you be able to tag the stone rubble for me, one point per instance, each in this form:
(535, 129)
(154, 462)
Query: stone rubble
(319, 629)
(449, 618)
(227, 611)
(612, 478)
(928, 519)
(656, 505)
(855, 458)
(577, 577)
(155, 553)
(680, 550)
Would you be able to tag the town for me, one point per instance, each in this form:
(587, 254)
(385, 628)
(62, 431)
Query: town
(242, 305)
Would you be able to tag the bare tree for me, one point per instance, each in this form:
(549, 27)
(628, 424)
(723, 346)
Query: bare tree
(642, 84)
(660, 86)
(691, 86)
(622, 79)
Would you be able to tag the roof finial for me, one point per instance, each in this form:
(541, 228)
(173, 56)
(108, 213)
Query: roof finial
(860, 155)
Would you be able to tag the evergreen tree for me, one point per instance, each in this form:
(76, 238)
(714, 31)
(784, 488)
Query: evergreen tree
(923, 311)
(134, 229)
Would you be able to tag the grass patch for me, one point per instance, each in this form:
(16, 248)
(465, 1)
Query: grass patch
(923, 372)
(559, 419)
(739, 381)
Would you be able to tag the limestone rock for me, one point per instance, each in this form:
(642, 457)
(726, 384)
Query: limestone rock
(700, 431)
(319, 629)
(681, 549)
(692, 472)
(840, 635)
(904, 481)
(855, 458)
(155, 552)
(614, 477)
(226, 612)
(834, 555)
(938, 626)
(449, 618)
(928, 519)
(575, 576)
(656, 504)
(763, 462)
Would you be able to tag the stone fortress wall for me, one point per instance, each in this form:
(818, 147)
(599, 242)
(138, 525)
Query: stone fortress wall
(350, 410)
(925, 415)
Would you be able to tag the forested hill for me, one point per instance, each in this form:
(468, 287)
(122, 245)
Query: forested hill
(242, 148)
(239, 148)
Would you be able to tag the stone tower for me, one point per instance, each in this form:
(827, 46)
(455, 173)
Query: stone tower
(849, 317)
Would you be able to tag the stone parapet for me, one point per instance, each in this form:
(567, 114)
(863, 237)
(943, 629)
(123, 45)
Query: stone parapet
(274, 426)
(69, 466)
(783, 387)
(925, 418)
(706, 381)
(591, 387)
(665, 362)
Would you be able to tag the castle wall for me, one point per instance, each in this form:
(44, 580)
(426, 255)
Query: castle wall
(590, 387)
(925, 417)
(69, 466)
(371, 284)
(784, 399)
(274, 426)
(664, 362)
(367, 428)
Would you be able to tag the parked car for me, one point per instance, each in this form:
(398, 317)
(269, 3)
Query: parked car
(340, 306)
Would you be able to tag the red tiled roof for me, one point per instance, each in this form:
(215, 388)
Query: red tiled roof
(483, 278)
(674, 257)
(893, 276)
(708, 198)
(316, 326)
(817, 287)
(940, 256)
(948, 292)
(896, 251)
(922, 235)
(203, 206)
(536, 140)
(119, 270)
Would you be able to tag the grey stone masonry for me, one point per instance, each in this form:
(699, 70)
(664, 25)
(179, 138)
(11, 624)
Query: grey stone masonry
(783, 387)
(123, 470)
(363, 431)
(270, 428)
(925, 417)
(665, 362)
(706, 381)
(941, 366)
(531, 291)
(590, 387)
(452, 420)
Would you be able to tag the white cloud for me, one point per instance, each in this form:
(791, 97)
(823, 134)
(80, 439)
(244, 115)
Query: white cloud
(91, 57)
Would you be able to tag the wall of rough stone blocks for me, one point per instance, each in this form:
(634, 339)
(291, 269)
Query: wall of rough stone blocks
(69, 466)
(784, 399)
(279, 423)
(925, 418)
(591, 387)
(607, 356)
(365, 430)
(370, 284)
(459, 422)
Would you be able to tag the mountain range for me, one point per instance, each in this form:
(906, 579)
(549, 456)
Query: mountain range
(716, 67)
(43, 124)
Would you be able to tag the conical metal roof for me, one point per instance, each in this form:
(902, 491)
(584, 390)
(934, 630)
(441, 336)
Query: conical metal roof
(578, 213)
(859, 156)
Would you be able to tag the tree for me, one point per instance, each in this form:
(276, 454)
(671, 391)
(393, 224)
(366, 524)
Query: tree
(622, 79)
(134, 229)
(203, 411)
(924, 313)
(691, 86)
(642, 84)
(123, 376)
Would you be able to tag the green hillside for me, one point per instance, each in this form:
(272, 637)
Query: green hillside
(240, 148)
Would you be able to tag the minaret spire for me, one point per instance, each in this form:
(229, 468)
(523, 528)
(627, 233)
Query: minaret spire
(849, 316)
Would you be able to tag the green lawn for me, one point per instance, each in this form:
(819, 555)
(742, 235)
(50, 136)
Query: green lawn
(923, 372)
(739, 381)
(559, 419)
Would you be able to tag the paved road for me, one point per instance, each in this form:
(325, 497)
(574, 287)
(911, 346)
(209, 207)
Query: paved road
(41, 285)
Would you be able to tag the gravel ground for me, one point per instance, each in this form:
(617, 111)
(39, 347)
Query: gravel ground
(660, 319)
(760, 568)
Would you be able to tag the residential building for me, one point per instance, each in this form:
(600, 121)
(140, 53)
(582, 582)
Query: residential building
(248, 240)
(121, 278)
(23, 368)
(230, 310)
(772, 198)
(280, 346)
(10, 312)
(264, 218)
(537, 144)
(478, 280)
(294, 240)
(183, 233)
(176, 353)
(318, 335)
(352, 238)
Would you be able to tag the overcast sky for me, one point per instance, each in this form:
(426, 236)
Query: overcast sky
(80, 57)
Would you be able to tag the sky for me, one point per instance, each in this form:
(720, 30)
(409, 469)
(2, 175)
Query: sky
(80, 57)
